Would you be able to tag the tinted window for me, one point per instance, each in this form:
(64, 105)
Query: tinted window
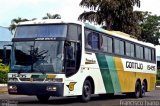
(105, 43)
(132, 50)
(58, 30)
(95, 40)
(146, 53)
(128, 48)
(138, 52)
(79, 33)
(141, 52)
(153, 54)
(74, 32)
(87, 40)
(116, 46)
(121, 47)
(92, 39)
(110, 45)
(149, 54)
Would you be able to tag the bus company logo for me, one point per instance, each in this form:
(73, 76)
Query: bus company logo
(46, 38)
(71, 86)
(90, 61)
(140, 66)
(134, 65)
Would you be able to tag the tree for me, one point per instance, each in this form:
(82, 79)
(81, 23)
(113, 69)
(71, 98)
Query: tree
(113, 14)
(150, 27)
(54, 16)
(14, 22)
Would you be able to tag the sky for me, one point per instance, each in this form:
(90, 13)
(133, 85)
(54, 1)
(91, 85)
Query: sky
(68, 9)
(10, 9)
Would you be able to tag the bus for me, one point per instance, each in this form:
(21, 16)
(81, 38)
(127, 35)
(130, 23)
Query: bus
(64, 58)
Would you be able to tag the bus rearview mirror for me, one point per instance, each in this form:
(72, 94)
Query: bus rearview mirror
(4, 59)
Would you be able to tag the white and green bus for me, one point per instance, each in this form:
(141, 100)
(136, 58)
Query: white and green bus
(60, 58)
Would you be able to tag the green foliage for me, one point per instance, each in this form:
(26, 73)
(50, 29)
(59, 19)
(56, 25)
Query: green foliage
(113, 14)
(54, 16)
(14, 22)
(3, 72)
(150, 28)
(158, 77)
(3, 77)
(4, 68)
(158, 74)
(158, 82)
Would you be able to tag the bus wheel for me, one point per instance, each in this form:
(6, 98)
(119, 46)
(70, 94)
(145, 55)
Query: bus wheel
(86, 92)
(144, 89)
(42, 98)
(137, 90)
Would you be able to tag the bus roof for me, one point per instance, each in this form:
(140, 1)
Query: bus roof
(48, 21)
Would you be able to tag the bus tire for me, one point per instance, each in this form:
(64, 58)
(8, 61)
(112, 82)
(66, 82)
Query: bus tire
(86, 91)
(143, 89)
(137, 92)
(43, 98)
(108, 95)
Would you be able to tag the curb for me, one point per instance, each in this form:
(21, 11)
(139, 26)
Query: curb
(3, 88)
(3, 85)
(3, 91)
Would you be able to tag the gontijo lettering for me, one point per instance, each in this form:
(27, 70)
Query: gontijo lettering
(134, 65)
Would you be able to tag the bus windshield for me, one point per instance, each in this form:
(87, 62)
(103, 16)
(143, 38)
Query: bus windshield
(33, 31)
(37, 56)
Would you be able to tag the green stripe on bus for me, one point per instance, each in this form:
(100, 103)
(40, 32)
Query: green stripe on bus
(113, 73)
(39, 76)
(105, 73)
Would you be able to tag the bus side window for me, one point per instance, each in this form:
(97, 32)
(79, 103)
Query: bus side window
(95, 41)
(87, 39)
(92, 40)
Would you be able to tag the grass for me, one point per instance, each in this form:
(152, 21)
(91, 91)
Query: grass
(158, 82)
(3, 72)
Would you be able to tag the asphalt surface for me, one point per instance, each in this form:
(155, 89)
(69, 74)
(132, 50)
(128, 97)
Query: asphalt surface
(151, 99)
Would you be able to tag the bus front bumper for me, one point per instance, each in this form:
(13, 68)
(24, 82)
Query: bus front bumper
(51, 89)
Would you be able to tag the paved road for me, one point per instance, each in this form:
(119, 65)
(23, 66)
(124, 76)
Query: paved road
(20, 100)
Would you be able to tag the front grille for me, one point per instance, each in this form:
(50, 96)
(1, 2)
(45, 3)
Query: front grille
(24, 79)
(31, 79)
(38, 79)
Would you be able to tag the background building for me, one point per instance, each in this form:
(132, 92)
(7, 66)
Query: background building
(5, 39)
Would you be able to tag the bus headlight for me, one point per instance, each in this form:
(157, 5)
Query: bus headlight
(12, 87)
(54, 80)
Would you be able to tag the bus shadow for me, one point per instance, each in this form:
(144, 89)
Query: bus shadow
(72, 100)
